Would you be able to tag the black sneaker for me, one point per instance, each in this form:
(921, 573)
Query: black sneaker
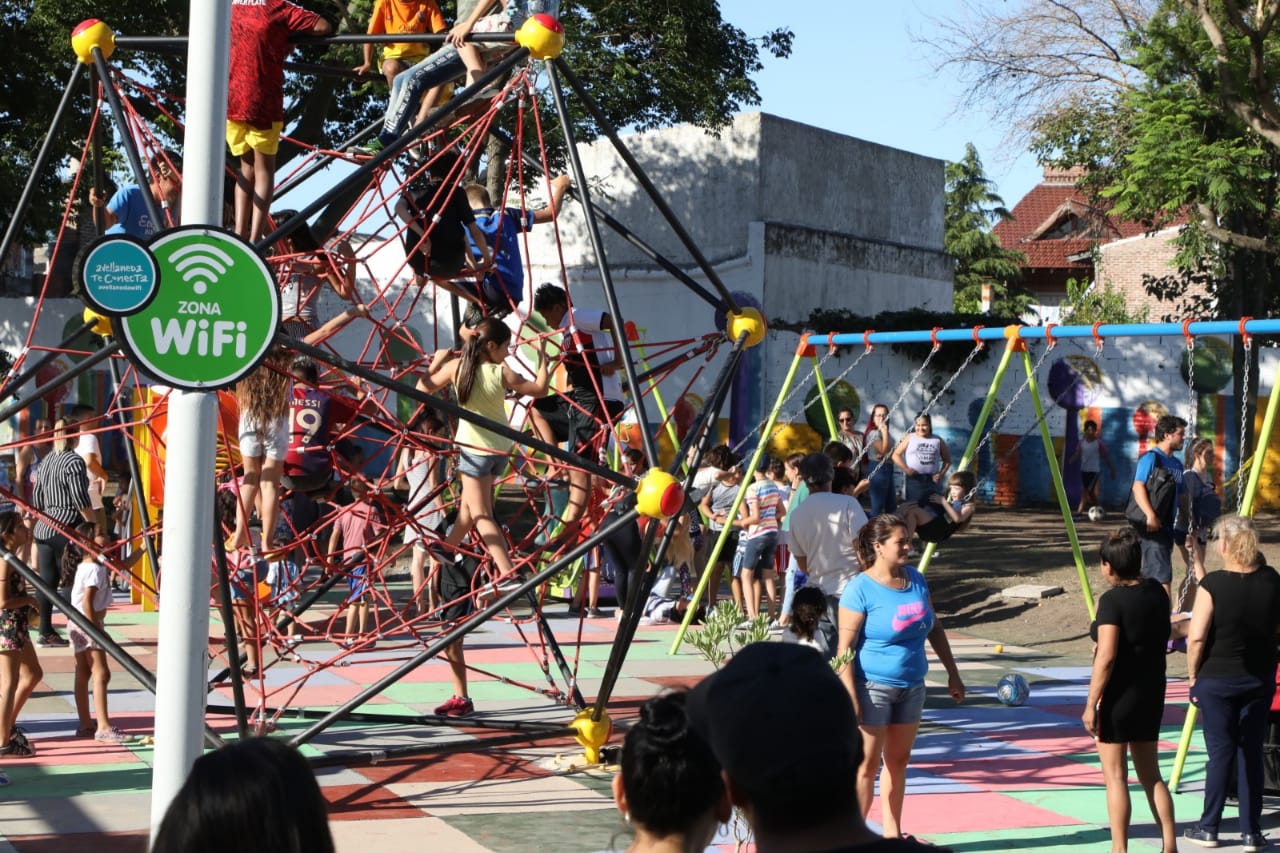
(50, 641)
(1253, 842)
(1203, 837)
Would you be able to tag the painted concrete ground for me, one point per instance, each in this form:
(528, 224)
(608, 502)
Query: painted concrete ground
(984, 777)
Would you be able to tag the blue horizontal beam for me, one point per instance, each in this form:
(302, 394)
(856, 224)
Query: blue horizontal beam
(1027, 333)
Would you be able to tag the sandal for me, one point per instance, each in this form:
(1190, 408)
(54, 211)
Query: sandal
(112, 735)
(18, 750)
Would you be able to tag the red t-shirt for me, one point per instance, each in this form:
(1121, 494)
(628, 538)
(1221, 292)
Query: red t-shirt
(260, 31)
(312, 413)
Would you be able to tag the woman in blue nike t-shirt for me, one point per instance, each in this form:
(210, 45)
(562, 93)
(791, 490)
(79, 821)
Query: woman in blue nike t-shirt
(886, 615)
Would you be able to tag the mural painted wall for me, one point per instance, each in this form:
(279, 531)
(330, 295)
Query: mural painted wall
(1125, 388)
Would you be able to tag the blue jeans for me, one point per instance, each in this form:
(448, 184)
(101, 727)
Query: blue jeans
(790, 586)
(1233, 713)
(919, 487)
(409, 86)
(883, 497)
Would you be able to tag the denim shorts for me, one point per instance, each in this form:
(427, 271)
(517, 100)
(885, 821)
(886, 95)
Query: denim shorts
(884, 705)
(481, 464)
(757, 552)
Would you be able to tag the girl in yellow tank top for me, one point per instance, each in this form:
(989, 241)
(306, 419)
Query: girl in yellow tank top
(481, 379)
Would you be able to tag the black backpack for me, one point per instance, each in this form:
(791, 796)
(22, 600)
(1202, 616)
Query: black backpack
(1162, 488)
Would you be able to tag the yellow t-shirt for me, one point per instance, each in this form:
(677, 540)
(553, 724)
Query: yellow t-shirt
(488, 398)
(405, 16)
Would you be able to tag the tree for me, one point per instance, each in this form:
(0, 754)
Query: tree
(1191, 135)
(1028, 59)
(972, 207)
(648, 64)
(1087, 303)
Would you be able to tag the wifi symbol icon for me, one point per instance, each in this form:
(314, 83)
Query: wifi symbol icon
(201, 265)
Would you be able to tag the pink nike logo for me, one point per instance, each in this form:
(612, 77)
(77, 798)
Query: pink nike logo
(908, 615)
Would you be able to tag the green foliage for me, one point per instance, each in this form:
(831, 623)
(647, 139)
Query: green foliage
(1087, 303)
(1180, 149)
(647, 64)
(720, 638)
(946, 361)
(972, 209)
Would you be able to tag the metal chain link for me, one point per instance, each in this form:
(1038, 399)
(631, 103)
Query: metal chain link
(1244, 423)
(928, 406)
(1192, 402)
(995, 424)
(758, 428)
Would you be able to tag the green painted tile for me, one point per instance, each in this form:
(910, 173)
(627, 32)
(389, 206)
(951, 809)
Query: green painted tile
(562, 832)
(34, 781)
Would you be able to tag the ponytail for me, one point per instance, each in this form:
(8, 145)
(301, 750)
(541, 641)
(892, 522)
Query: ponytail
(486, 331)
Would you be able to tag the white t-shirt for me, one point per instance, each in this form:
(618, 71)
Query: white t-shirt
(818, 643)
(823, 529)
(91, 574)
(588, 320)
(88, 446)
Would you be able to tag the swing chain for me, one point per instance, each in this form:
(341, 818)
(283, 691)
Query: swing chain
(973, 353)
(1192, 402)
(995, 425)
(759, 428)
(1244, 420)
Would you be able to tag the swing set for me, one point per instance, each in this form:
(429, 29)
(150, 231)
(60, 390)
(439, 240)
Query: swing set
(1016, 345)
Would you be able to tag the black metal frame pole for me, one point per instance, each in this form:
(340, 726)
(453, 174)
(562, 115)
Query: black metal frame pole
(66, 376)
(323, 163)
(99, 171)
(161, 43)
(606, 277)
(9, 387)
(459, 631)
(229, 633)
(639, 591)
(622, 231)
(42, 159)
(362, 174)
(440, 404)
(84, 623)
(135, 471)
(378, 756)
(126, 139)
(559, 65)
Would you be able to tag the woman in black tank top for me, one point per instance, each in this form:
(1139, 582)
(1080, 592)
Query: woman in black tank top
(1231, 665)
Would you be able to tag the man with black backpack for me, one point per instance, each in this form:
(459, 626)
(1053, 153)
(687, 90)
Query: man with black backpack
(1155, 499)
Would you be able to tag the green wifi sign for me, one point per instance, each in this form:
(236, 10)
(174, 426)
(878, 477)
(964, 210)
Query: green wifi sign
(214, 314)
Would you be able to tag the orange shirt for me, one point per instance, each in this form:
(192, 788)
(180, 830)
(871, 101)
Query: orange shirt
(405, 16)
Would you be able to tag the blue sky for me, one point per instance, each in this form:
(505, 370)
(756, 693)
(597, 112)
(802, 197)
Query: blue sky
(856, 69)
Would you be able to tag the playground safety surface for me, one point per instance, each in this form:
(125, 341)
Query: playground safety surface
(983, 776)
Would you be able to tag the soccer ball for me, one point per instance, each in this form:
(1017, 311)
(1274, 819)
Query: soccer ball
(1012, 689)
(1097, 513)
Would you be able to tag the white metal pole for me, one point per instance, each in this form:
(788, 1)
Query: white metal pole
(182, 667)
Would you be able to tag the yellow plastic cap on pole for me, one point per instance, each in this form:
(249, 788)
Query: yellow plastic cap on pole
(658, 494)
(91, 33)
(748, 320)
(542, 35)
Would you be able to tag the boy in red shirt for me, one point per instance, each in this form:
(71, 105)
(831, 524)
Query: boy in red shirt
(260, 31)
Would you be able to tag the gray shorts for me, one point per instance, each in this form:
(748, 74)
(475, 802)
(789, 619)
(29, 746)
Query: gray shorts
(481, 464)
(1157, 556)
(885, 705)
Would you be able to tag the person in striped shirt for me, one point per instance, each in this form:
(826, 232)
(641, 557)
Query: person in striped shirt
(61, 500)
(763, 511)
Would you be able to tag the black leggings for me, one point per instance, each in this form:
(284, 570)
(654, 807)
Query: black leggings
(623, 548)
(49, 557)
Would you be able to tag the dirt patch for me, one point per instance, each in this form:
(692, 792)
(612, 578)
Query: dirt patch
(1007, 547)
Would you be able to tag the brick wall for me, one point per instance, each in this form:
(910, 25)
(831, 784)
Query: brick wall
(1122, 265)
